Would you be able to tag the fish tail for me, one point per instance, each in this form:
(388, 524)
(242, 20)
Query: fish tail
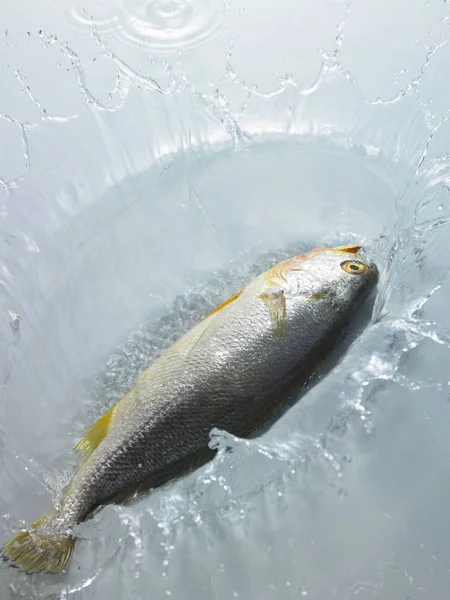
(41, 548)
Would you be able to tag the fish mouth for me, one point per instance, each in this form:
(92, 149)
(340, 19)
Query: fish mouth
(348, 249)
(353, 249)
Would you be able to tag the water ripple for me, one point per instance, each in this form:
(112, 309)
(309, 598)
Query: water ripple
(163, 26)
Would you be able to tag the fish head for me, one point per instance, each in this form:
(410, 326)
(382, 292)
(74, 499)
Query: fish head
(342, 274)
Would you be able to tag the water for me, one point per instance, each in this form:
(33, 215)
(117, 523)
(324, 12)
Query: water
(154, 157)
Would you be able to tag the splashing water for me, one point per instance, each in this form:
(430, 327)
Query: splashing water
(156, 156)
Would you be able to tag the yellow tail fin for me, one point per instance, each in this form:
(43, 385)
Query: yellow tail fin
(39, 549)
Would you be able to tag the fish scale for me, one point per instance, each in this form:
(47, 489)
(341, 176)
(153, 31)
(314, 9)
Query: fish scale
(230, 372)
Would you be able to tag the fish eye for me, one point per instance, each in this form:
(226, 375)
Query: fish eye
(353, 267)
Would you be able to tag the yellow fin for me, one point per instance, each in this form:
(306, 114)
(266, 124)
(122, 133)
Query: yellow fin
(39, 549)
(276, 303)
(96, 434)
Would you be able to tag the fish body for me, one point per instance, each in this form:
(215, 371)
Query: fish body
(230, 371)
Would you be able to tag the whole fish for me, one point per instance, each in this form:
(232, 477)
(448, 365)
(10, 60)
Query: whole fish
(231, 371)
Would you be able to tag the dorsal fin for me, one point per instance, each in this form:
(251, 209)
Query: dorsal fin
(96, 433)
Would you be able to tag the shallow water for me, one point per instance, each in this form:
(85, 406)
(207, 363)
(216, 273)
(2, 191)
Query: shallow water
(154, 156)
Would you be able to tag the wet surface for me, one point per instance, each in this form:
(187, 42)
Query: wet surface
(154, 156)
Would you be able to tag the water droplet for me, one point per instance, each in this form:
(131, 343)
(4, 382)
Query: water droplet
(342, 493)
(15, 320)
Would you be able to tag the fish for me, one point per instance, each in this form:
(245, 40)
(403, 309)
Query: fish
(231, 371)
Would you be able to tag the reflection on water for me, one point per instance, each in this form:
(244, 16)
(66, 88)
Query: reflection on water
(141, 184)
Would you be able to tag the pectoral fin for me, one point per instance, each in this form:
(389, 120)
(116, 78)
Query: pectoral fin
(276, 303)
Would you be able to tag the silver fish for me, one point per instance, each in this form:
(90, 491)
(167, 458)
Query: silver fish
(231, 371)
